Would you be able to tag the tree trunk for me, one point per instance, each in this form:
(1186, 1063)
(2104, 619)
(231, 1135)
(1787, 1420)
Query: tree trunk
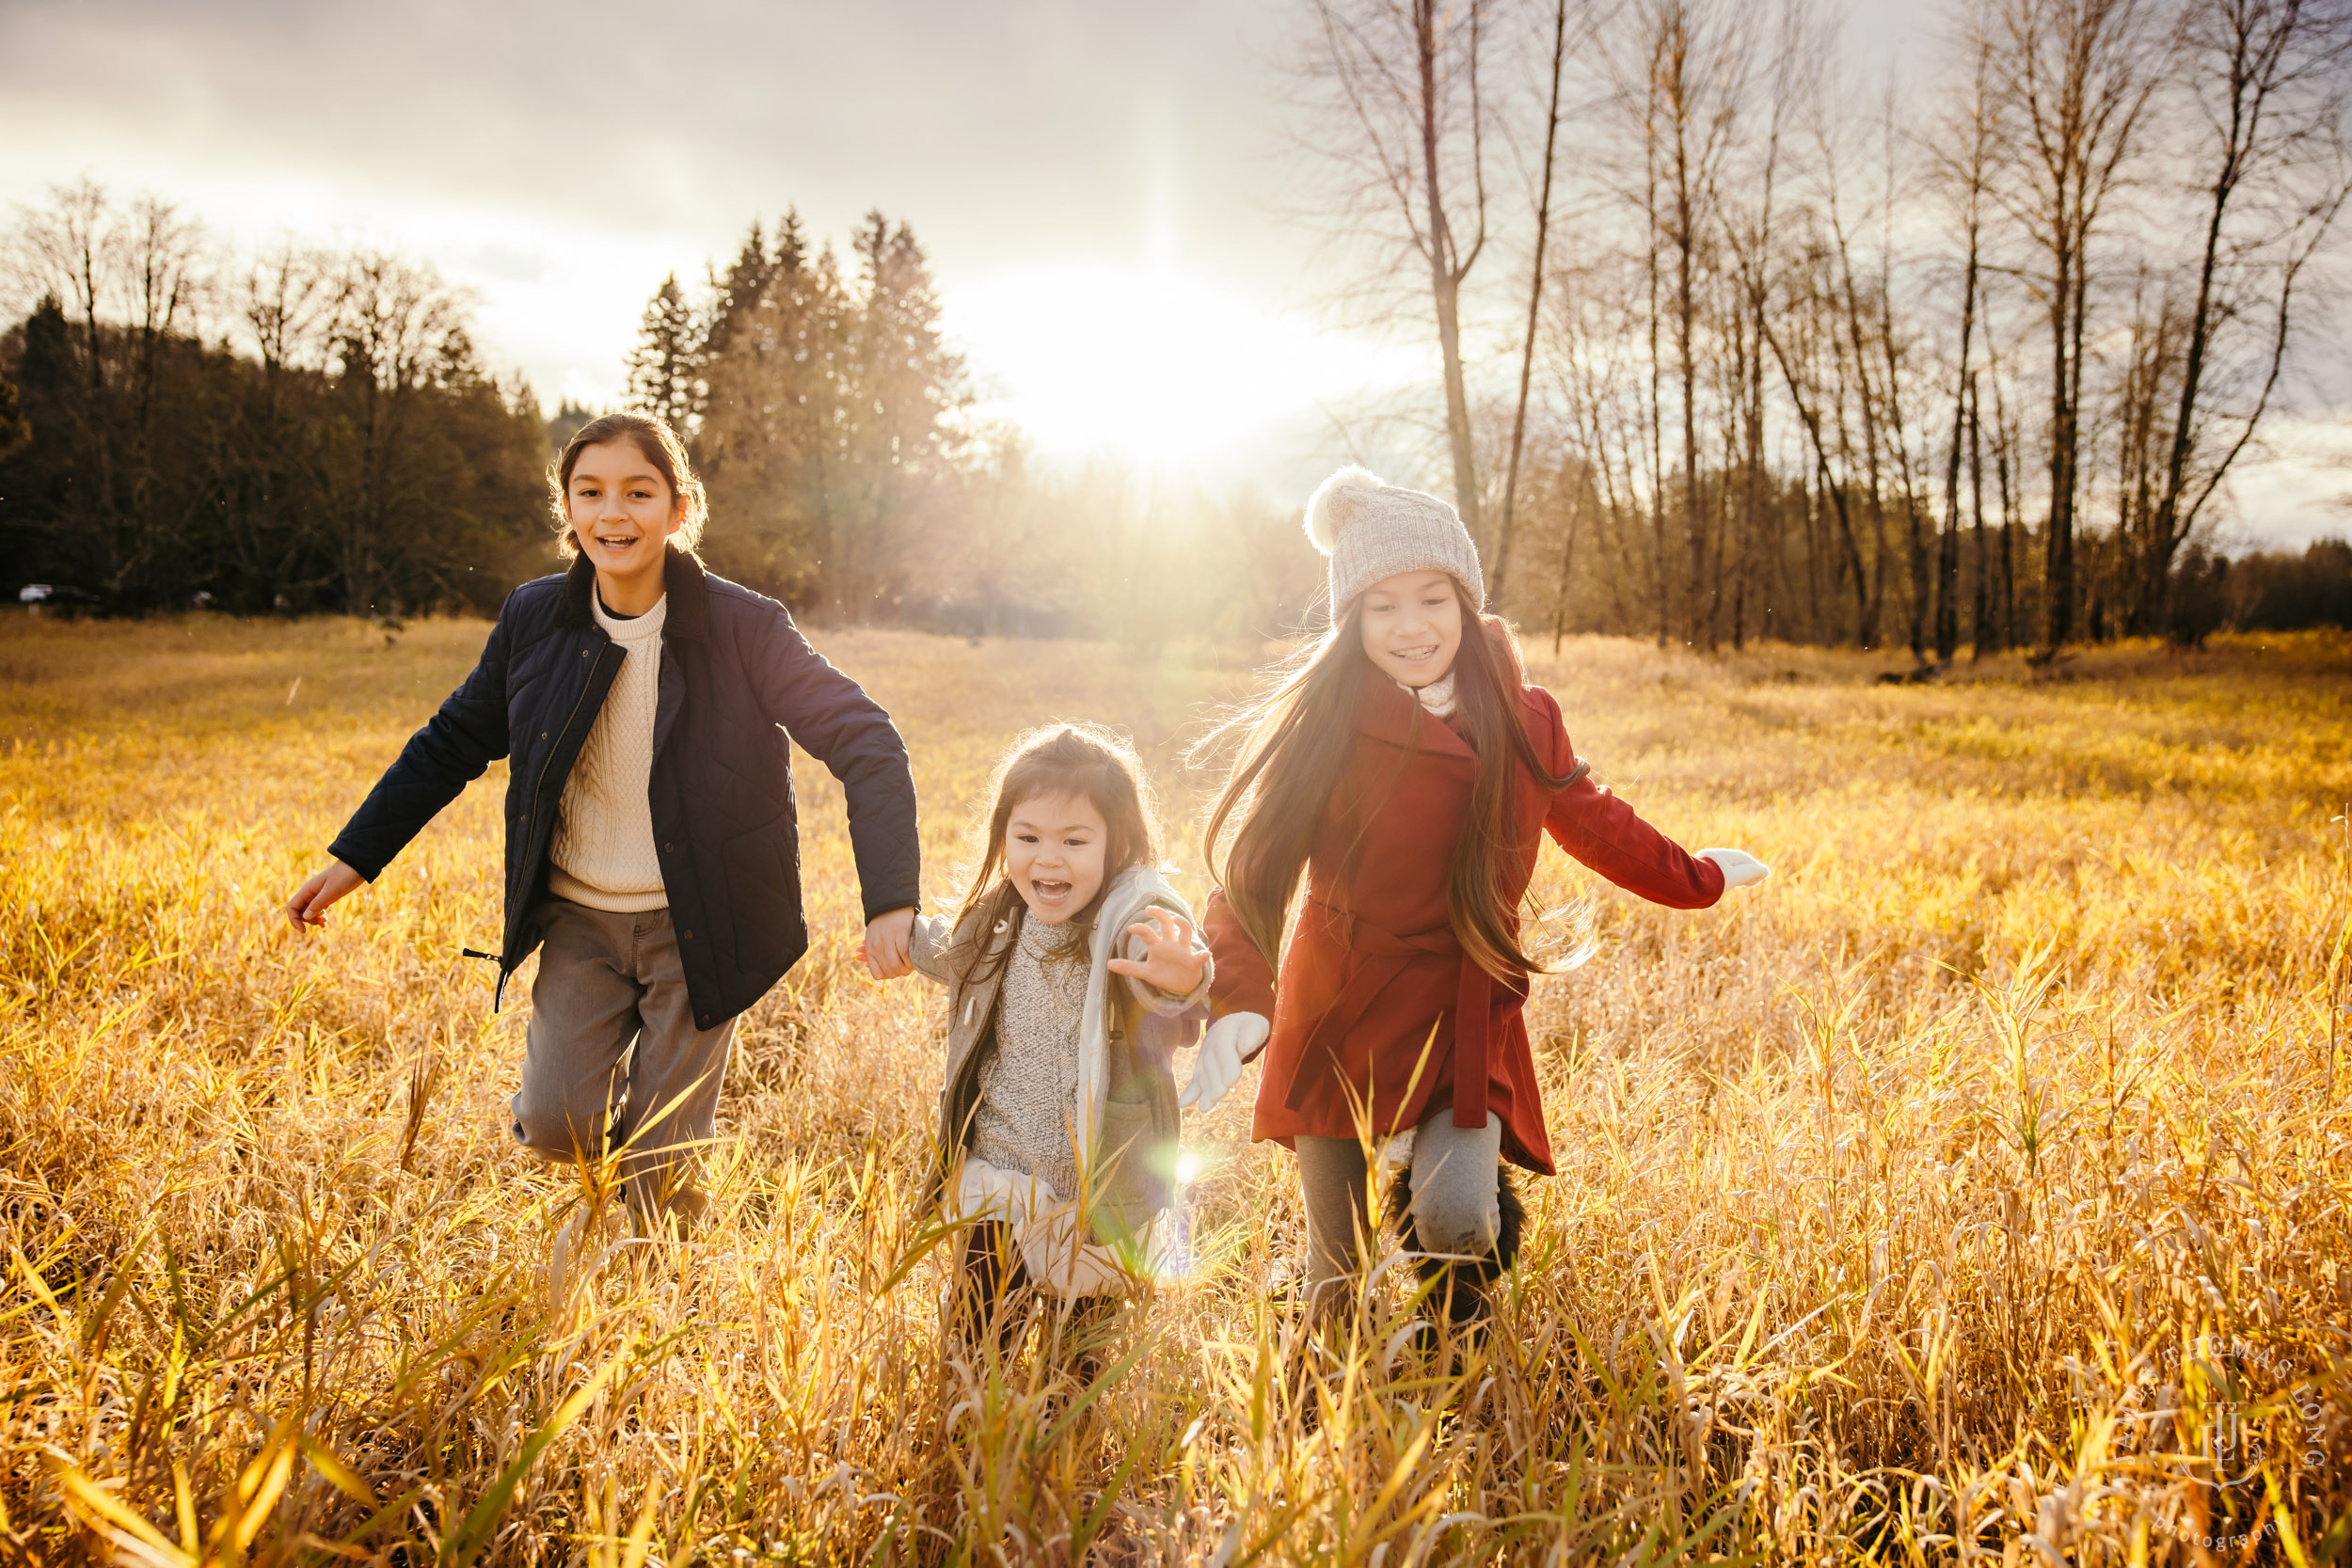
(1500, 575)
(1982, 598)
(1948, 553)
(1445, 276)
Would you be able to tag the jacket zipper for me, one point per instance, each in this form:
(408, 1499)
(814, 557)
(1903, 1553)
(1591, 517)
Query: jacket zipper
(538, 808)
(539, 785)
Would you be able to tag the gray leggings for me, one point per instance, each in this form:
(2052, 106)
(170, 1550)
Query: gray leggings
(1458, 1210)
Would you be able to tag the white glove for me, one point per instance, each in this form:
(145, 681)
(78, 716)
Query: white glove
(1740, 868)
(1218, 1066)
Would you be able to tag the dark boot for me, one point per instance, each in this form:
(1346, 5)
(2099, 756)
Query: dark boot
(1459, 1293)
(1087, 1333)
(991, 1289)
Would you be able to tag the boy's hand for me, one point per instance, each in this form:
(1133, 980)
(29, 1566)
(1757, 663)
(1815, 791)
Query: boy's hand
(308, 906)
(889, 945)
(1172, 954)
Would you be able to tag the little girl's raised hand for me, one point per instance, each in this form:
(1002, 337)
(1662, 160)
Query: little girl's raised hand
(1172, 954)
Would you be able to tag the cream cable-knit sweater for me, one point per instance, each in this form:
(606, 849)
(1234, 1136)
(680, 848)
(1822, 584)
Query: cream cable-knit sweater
(604, 854)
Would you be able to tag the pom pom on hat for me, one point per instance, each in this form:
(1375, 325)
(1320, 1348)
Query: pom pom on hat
(1337, 502)
(1373, 530)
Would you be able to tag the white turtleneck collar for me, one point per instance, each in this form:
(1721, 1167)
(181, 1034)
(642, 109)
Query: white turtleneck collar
(1437, 697)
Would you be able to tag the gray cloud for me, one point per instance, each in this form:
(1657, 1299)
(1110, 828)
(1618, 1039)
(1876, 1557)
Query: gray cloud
(1004, 133)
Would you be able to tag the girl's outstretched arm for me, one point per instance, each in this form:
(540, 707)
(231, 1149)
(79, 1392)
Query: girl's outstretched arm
(1244, 982)
(1599, 829)
(926, 948)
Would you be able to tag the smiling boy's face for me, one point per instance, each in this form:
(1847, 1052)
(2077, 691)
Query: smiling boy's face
(621, 512)
(1054, 847)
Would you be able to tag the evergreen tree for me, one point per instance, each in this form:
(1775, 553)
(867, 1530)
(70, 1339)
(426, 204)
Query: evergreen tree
(772, 404)
(735, 294)
(904, 384)
(15, 433)
(663, 368)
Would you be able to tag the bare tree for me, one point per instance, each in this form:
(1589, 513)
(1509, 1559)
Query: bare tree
(1858, 318)
(2267, 77)
(1811, 310)
(1749, 236)
(398, 330)
(285, 300)
(2009, 476)
(1500, 572)
(1692, 62)
(1967, 172)
(1396, 107)
(1980, 609)
(127, 278)
(160, 254)
(2075, 78)
(67, 251)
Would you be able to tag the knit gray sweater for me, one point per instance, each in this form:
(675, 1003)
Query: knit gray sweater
(1029, 1083)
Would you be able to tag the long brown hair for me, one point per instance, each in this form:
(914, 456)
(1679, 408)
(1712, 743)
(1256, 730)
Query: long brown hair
(1298, 738)
(1086, 761)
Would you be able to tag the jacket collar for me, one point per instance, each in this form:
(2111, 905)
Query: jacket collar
(1386, 711)
(682, 579)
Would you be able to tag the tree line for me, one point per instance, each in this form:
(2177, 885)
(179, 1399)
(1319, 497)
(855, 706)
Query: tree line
(307, 430)
(299, 430)
(1723, 347)
(1963, 356)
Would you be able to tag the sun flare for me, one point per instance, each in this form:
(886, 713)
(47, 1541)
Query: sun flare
(1151, 366)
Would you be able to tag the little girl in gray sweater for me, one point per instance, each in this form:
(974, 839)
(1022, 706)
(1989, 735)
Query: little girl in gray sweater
(1073, 972)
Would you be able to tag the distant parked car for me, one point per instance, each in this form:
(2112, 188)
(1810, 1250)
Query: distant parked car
(34, 597)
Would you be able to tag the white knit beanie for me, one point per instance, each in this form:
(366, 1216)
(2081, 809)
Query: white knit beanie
(1373, 530)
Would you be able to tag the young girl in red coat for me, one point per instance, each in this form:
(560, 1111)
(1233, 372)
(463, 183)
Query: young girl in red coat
(1408, 772)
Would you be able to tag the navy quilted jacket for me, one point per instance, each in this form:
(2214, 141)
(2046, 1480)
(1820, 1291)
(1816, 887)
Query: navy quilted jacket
(736, 678)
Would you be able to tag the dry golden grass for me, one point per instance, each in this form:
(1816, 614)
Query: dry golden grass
(1965, 1189)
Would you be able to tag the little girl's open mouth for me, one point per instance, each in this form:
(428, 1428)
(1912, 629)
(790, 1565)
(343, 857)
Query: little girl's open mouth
(1050, 892)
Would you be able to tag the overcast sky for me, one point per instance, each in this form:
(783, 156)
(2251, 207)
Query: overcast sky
(1112, 170)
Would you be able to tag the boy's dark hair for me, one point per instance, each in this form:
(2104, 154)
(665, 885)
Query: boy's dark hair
(662, 449)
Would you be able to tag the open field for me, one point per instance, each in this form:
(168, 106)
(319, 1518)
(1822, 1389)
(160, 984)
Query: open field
(1982, 1181)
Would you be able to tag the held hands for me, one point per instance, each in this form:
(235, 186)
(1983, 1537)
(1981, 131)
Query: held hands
(307, 907)
(1172, 954)
(1218, 1066)
(1740, 868)
(889, 945)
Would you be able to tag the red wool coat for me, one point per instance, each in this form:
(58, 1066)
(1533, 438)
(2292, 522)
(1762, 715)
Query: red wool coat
(1373, 973)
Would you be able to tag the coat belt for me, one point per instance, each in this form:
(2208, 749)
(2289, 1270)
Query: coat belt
(1473, 1003)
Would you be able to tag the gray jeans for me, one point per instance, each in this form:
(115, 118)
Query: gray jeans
(607, 981)
(1458, 1210)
